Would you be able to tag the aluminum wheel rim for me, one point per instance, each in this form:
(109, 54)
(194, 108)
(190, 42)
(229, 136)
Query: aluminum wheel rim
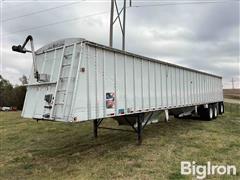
(210, 113)
(221, 108)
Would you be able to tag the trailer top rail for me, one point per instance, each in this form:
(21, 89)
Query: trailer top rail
(70, 41)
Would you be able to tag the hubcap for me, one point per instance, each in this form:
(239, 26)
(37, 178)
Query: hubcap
(210, 113)
(221, 108)
(215, 112)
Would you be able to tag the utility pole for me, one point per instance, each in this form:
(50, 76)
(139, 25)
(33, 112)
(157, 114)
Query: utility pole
(124, 26)
(232, 83)
(122, 22)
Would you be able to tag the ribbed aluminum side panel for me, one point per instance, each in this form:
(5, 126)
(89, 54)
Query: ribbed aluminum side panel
(137, 85)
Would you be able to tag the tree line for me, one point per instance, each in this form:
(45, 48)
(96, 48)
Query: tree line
(12, 96)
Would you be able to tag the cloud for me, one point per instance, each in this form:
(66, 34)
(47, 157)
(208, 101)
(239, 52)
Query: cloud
(204, 37)
(218, 22)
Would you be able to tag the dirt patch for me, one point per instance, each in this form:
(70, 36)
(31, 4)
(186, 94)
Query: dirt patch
(231, 93)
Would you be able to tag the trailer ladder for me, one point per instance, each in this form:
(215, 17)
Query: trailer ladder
(65, 84)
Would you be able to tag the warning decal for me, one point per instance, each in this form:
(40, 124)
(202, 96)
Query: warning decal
(110, 100)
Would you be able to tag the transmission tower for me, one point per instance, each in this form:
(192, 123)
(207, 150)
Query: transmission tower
(121, 18)
(233, 83)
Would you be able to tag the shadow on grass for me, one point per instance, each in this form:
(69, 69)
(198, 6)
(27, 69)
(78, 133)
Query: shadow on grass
(83, 146)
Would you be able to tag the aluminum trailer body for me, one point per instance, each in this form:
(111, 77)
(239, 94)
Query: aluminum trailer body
(90, 81)
(84, 81)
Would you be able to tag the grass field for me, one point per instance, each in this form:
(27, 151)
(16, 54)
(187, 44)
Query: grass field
(47, 150)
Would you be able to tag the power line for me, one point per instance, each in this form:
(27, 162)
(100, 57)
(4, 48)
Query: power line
(36, 1)
(58, 22)
(41, 11)
(78, 18)
(183, 3)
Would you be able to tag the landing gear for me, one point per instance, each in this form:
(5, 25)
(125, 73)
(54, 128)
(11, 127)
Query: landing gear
(95, 128)
(139, 129)
(137, 126)
(96, 123)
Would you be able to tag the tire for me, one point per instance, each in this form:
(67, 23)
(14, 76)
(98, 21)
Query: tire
(221, 108)
(201, 112)
(215, 111)
(209, 113)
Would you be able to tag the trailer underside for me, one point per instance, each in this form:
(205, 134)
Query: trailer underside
(139, 121)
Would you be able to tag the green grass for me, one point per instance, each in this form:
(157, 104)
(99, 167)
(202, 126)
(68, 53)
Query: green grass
(232, 108)
(48, 150)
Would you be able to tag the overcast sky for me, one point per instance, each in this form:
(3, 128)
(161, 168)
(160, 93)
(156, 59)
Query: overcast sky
(200, 36)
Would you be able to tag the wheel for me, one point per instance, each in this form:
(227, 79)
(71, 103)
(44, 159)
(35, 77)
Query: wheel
(201, 112)
(221, 108)
(209, 113)
(215, 111)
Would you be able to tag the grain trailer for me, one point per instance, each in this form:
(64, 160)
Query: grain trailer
(75, 80)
